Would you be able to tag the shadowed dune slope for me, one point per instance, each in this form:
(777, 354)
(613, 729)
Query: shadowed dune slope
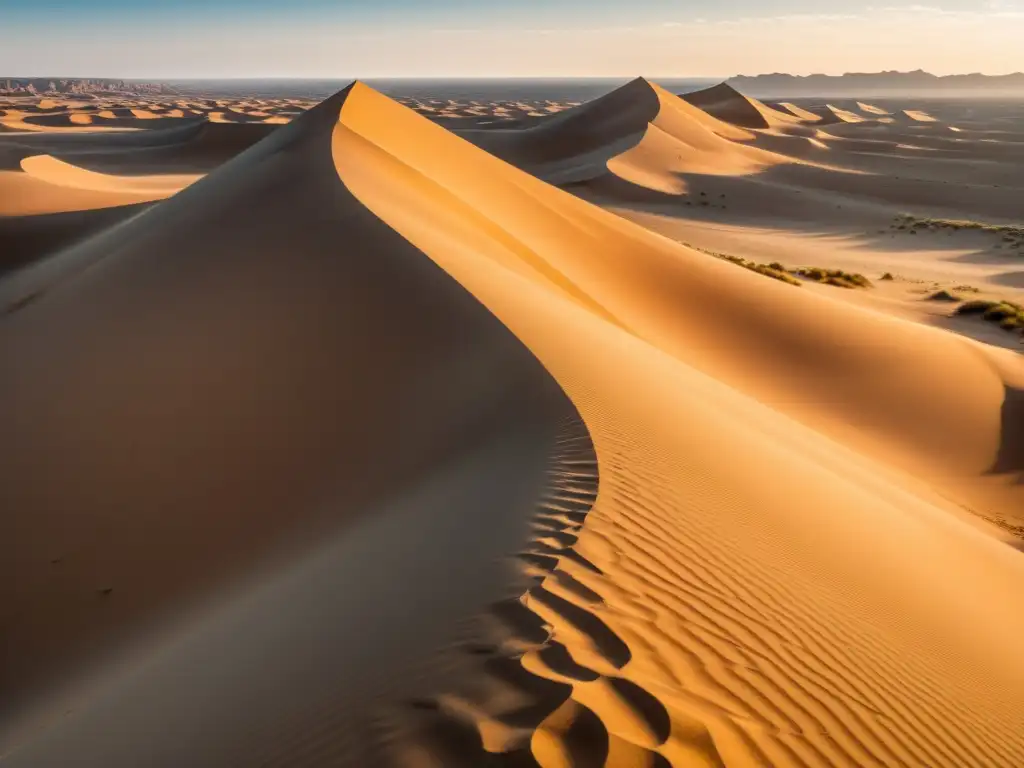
(194, 146)
(23, 239)
(254, 432)
(729, 105)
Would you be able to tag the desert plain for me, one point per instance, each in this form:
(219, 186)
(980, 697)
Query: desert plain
(659, 429)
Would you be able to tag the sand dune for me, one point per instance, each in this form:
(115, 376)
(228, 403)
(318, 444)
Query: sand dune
(22, 121)
(365, 361)
(871, 109)
(316, 477)
(800, 112)
(727, 104)
(844, 115)
(57, 172)
(912, 434)
(48, 185)
(598, 291)
(28, 238)
(639, 133)
(190, 148)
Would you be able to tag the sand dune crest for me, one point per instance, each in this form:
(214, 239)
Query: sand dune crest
(366, 363)
(727, 104)
(639, 132)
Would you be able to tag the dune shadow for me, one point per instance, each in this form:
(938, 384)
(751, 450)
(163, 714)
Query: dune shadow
(26, 239)
(310, 450)
(1010, 279)
(1010, 457)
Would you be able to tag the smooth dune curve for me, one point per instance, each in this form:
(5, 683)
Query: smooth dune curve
(59, 173)
(639, 132)
(728, 548)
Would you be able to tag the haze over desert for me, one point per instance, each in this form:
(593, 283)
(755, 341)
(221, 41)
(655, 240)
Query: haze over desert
(558, 422)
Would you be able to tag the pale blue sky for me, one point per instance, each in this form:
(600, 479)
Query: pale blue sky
(394, 38)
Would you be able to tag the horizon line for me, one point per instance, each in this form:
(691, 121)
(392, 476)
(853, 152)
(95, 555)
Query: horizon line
(350, 78)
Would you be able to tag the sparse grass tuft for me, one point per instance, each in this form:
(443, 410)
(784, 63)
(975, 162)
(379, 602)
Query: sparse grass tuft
(768, 270)
(834, 277)
(1008, 315)
(975, 307)
(1011, 234)
(778, 271)
(1001, 312)
(774, 270)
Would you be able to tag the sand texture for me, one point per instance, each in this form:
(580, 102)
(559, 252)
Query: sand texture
(389, 436)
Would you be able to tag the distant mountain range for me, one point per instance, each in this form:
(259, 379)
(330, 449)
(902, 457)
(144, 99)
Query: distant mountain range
(30, 86)
(882, 83)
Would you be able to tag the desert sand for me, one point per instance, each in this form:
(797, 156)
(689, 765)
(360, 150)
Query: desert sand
(390, 435)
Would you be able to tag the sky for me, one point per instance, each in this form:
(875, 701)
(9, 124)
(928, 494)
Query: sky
(171, 39)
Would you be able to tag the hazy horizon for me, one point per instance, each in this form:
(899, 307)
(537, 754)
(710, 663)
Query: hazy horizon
(317, 39)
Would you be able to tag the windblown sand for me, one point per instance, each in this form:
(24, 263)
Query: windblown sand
(357, 440)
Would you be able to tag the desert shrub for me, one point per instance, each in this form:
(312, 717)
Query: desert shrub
(778, 274)
(774, 270)
(1000, 312)
(834, 277)
(1008, 315)
(975, 307)
(943, 296)
(888, 276)
(1010, 233)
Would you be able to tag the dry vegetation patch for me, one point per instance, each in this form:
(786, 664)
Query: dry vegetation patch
(836, 277)
(1008, 315)
(790, 275)
(1010, 235)
(773, 270)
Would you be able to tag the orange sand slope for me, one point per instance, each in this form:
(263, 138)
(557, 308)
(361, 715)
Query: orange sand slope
(47, 185)
(58, 173)
(287, 422)
(804, 114)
